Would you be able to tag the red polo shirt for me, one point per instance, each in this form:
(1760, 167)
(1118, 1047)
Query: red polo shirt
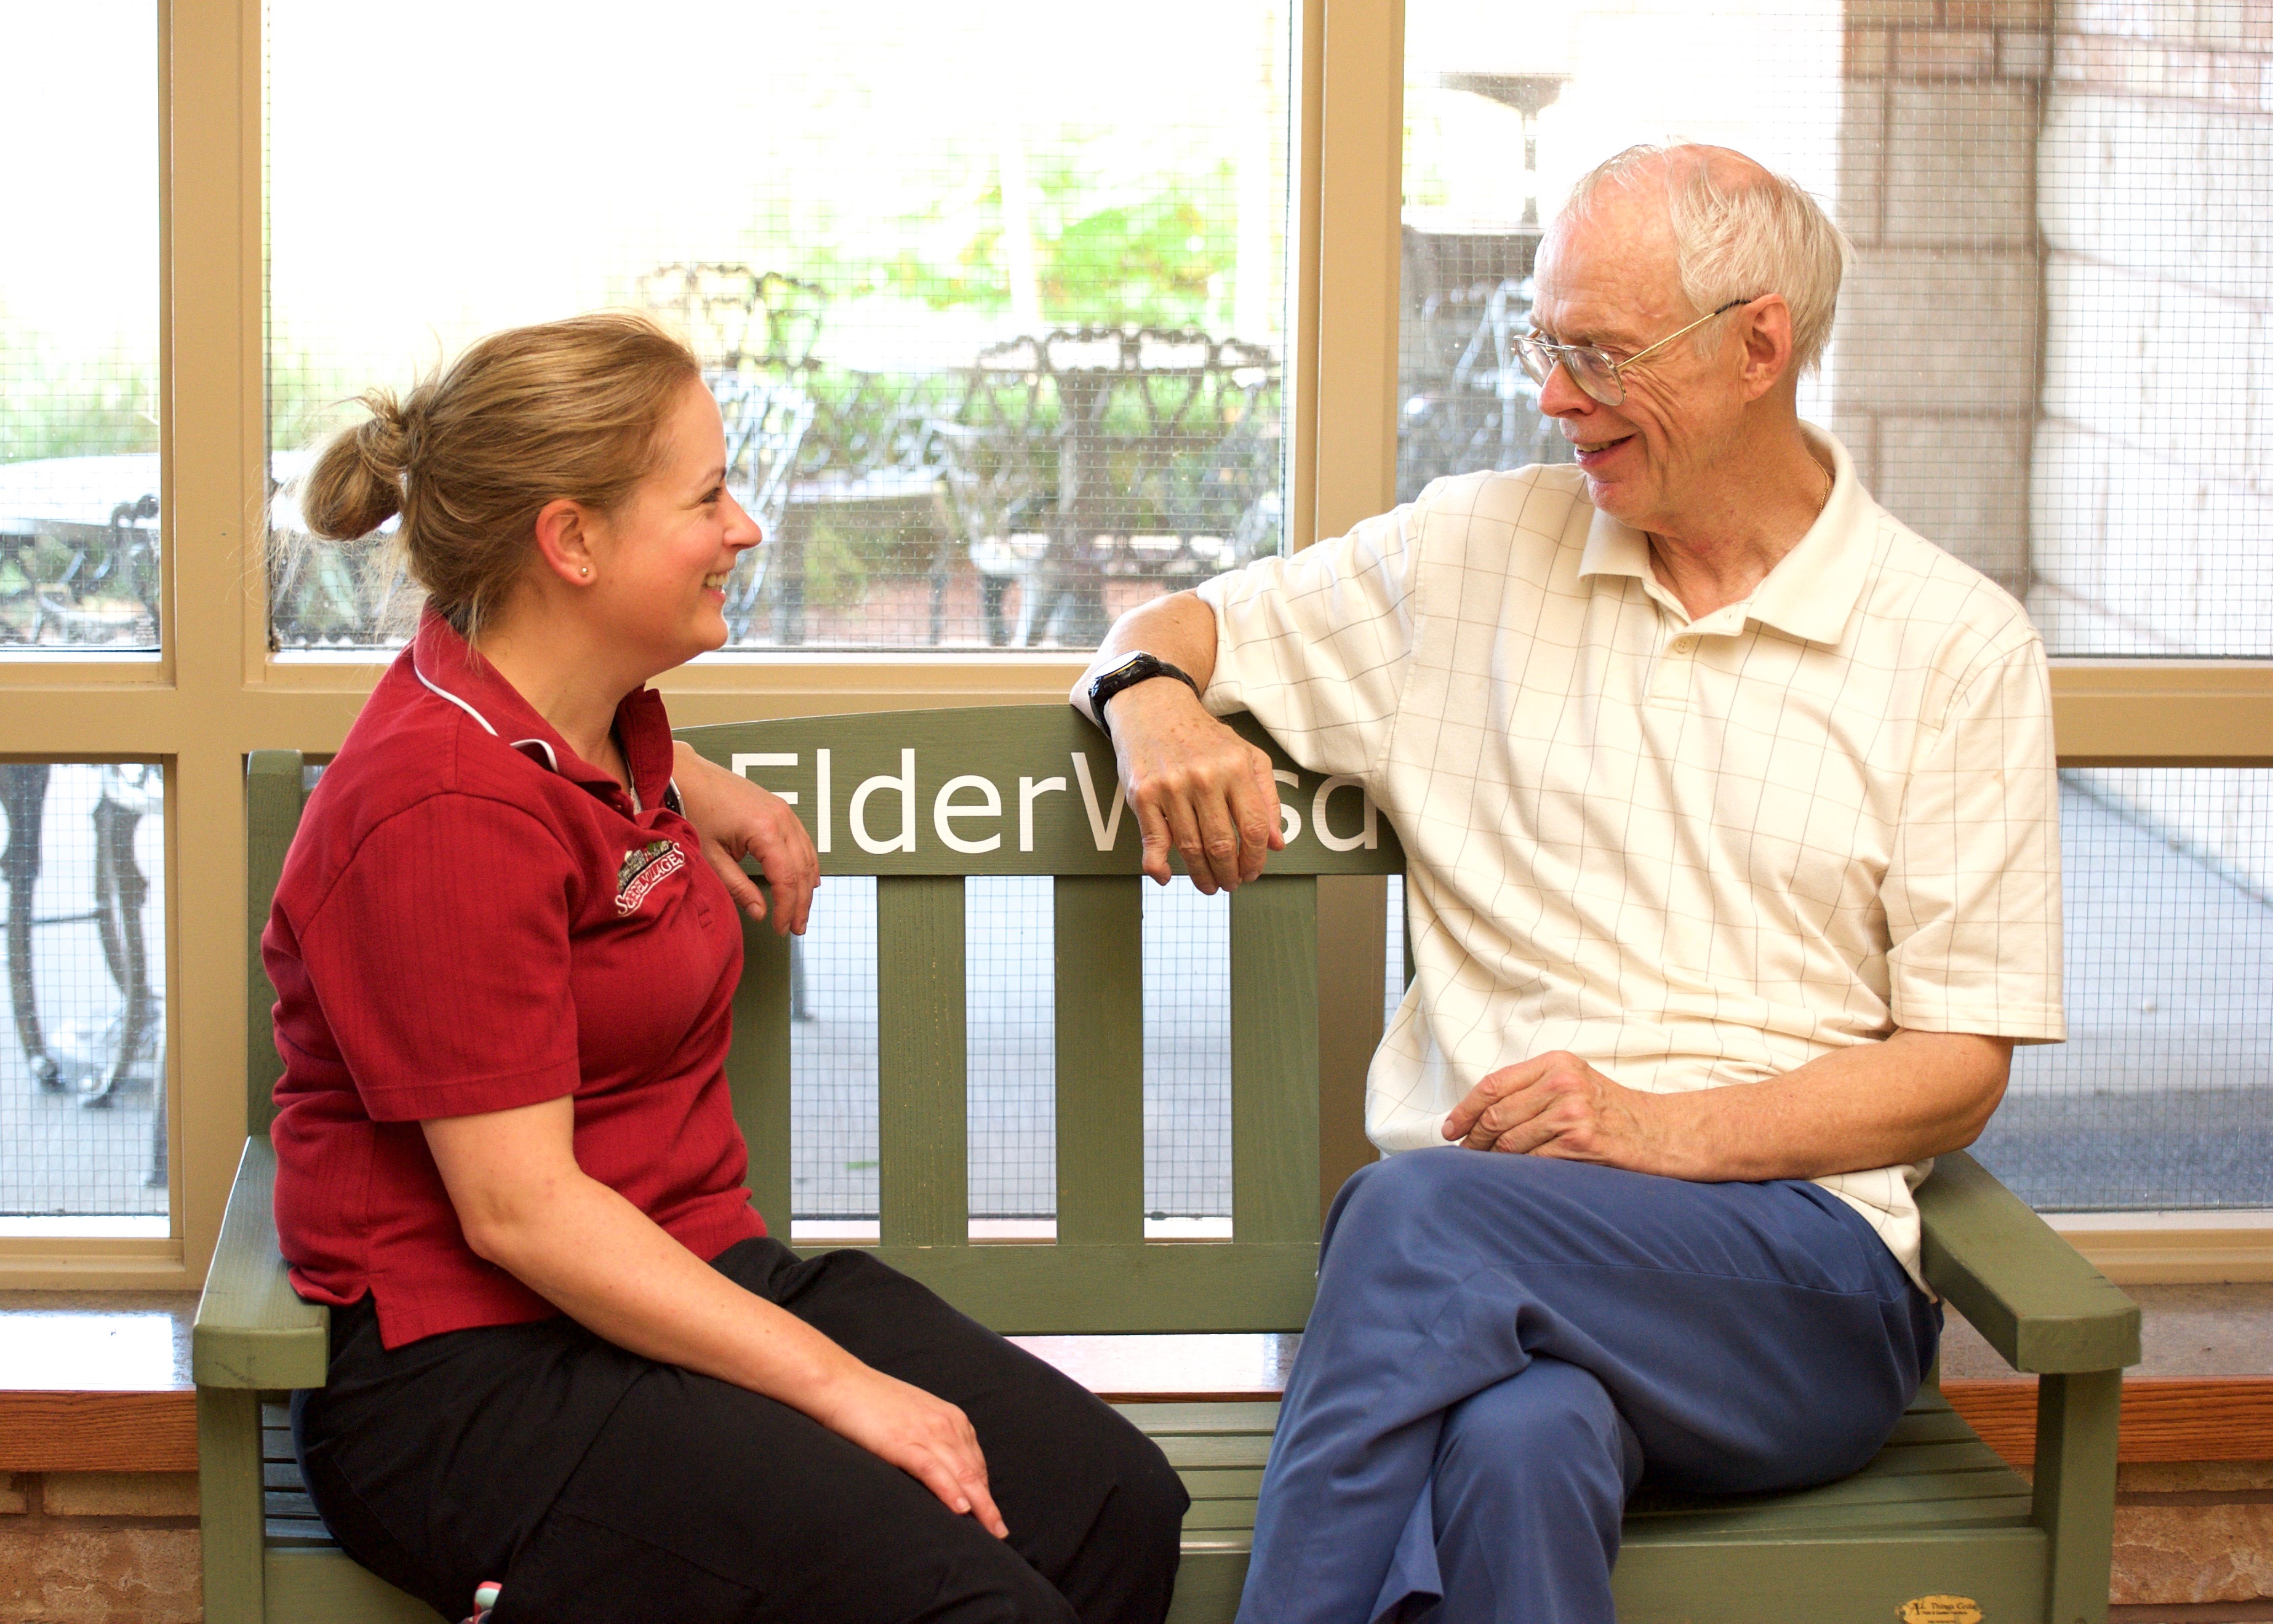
(472, 919)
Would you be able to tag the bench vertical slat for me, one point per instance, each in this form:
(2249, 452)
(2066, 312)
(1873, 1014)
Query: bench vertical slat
(757, 1070)
(2077, 1417)
(1100, 1059)
(273, 801)
(1274, 1059)
(920, 1060)
(229, 1497)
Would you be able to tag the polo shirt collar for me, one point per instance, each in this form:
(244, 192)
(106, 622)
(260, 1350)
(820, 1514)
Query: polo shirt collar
(451, 671)
(1813, 590)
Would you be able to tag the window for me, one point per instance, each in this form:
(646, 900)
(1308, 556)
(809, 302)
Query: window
(2048, 356)
(2162, 1097)
(193, 292)
(993, 302)
(79, 330)
(83, 1132)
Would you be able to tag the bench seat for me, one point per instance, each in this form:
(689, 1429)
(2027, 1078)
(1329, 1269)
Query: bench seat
(1936, 1528)
(1690, 1558)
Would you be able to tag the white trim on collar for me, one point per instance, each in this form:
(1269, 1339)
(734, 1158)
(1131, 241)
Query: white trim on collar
(435, 687)
(551, 760)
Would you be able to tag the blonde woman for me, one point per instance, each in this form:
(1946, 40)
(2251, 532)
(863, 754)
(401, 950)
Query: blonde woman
(565, 1356)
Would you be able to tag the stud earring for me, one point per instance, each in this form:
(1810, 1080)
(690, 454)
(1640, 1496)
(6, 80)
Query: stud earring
(584, 570)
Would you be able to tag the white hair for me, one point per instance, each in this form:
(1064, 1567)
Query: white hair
(1736, 237)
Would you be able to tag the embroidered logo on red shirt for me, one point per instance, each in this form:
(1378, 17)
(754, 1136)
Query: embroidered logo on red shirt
(645, 867)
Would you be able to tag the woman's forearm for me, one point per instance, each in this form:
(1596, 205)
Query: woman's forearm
(525, 1205)
(606, 1265)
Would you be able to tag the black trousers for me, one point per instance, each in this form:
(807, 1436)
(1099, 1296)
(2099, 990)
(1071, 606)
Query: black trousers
(598, 1486)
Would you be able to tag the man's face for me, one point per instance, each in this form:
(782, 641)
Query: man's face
(1611, 280)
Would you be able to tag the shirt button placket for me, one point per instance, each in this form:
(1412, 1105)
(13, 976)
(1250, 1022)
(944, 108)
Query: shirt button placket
(1670, 686)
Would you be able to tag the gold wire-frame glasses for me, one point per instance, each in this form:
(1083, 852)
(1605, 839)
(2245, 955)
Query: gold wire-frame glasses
(1591, 368)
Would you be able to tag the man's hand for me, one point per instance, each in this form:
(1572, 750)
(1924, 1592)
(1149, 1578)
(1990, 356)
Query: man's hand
(1912, 1096)
(1195, 785)
(737, 819)
(1558, 1105)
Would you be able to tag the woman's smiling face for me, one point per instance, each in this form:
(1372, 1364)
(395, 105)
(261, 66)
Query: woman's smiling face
(662, 556)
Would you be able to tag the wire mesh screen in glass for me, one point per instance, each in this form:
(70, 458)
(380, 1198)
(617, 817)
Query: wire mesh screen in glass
(83, 1058)
(1392, 958)
(832, 1058)
(1187, 1060)
(991, 299)
(2051, 356)
(79, 328)
(1010, 1032)
(2163, 1096)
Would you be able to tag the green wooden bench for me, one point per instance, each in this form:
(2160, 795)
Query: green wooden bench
(921, 801)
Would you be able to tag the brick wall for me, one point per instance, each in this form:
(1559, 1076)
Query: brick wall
(100, 1548)
(1933, 381)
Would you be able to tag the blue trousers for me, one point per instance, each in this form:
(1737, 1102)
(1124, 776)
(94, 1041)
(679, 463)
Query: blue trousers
(1503, 1345)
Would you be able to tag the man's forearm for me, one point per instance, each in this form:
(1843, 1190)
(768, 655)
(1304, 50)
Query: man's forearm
(1179, 629)
(1916, 1095)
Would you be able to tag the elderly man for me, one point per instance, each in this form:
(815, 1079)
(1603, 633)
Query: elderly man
(1730, 814)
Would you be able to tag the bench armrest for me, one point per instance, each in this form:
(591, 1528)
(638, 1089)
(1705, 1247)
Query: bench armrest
(251, 1330)
(2028, 1292)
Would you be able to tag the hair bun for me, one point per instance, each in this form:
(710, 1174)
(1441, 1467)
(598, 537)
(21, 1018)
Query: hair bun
(356, 482)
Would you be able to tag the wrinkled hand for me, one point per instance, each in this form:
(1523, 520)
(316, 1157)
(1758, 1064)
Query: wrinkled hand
(1558, 1105)
(927, 1438)
(737, 819)
(1195, 785)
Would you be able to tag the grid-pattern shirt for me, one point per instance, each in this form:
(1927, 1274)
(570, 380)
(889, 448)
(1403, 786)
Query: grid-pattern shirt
(1692, 853)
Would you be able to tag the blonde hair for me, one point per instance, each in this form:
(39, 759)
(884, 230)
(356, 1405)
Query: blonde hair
(1737, 234)
(566, 408)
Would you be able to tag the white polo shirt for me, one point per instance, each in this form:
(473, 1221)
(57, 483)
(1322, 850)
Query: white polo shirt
(1691, 852)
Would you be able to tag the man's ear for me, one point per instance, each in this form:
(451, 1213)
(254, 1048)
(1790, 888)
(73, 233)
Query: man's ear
(564, 541)
(1765, 326)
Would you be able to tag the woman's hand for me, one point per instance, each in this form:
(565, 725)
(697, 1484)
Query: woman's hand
(737, 819)
(927, 1438)
(524, 1204)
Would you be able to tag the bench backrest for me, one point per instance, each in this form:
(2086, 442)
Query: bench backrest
(923, 800)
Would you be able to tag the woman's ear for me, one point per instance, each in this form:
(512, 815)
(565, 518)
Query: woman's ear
(563, 540)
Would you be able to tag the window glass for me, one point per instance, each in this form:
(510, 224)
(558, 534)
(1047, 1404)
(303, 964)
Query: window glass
(1187, 1061)
(83, 1045)
(2163, 1096)
(832, 1050)
(79, 328)
(992, 299)
(1009, 934)
(2051, 356)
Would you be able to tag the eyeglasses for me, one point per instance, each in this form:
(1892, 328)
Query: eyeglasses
(1592, 367)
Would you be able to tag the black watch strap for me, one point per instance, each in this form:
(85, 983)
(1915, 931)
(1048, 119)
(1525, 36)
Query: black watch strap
(1136, 669)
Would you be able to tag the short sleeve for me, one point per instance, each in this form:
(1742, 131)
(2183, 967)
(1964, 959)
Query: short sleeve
(1317, 644)
(440, 958)
(1973, 892)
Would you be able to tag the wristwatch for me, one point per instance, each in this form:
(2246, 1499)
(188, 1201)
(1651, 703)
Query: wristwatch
(1136, 669)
